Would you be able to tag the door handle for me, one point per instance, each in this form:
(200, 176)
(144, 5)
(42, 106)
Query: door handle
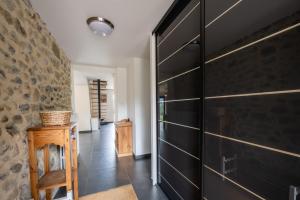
(294, 192)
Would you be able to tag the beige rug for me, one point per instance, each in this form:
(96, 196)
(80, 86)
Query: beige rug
(120, 193)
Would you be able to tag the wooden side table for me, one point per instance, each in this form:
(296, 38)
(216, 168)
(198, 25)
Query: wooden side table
(40, 138)
(123, 138)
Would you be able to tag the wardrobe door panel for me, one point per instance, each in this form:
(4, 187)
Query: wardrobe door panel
(217, 188)
(262, 171)
(186, 164)
(271, 120)
(252, 99)
(181, 187)
(179, 88)
(180, 10)
(183, 113)
(185, 60)
(184, 138)
(271, 65)
(183, 87)
(185, 32)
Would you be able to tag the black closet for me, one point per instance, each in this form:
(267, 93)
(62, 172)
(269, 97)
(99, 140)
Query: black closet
(252, 100)
(179, 102)
(228, 100)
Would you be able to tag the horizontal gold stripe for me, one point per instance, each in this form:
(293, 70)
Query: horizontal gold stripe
(172, 145)
(179, 125)
(255, 94)
(188, 14)
(235, 183)
(171, 186)
(179, 172)
(222, 14)
(179, 100)
(253, 43)
(254, 144)
(178, 75)
(167, 58)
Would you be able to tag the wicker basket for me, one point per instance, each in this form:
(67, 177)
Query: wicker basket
(55, 118)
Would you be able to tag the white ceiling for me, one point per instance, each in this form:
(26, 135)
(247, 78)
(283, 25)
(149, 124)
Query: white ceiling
(84, 72)
(134, 20)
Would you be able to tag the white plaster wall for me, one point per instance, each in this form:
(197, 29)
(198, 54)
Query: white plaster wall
(80, 96)
(142, 106)
(120, 93)
(82, 101)
(131, 99)
(139, 104)
(152, 100)
(130, 91)
(96, 72)
(110, 105)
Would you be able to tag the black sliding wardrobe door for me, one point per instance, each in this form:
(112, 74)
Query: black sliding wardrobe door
(234, 134)
(252, 100)
(178, 96)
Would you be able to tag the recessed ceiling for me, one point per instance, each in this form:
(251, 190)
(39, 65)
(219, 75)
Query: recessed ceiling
(134, 21)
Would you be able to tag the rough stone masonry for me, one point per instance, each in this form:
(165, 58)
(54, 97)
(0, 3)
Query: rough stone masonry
(34, 76)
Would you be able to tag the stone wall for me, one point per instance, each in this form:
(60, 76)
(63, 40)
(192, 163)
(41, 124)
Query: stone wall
(34, 76)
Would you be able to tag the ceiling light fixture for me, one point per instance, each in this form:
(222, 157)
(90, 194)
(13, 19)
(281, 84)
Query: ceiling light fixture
(100, 26)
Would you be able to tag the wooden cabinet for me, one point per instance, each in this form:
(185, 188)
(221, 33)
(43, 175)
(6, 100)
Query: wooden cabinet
(123, 138)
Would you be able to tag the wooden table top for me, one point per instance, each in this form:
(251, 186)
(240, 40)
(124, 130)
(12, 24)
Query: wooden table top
(123, 123)
(42, 128)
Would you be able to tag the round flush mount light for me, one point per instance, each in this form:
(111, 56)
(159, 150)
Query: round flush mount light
(100, 26)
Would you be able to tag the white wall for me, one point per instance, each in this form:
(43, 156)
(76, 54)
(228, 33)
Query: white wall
(81, 101)
(120, 79)
(80, 97)
(152, 99)
(131, 83)
(96, 72)
(117, 80)
(130, 92)
(139, 104)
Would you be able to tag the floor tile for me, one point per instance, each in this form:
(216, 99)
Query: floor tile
(100, 169)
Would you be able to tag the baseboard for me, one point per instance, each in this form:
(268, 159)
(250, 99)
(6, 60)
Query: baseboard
(143, 156)
(85, 131)
(104, 123)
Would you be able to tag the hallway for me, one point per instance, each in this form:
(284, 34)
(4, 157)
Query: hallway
(210, 89)
(100, 169)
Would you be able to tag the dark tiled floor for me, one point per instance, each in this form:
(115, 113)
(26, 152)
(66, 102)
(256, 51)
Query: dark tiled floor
(100, 169)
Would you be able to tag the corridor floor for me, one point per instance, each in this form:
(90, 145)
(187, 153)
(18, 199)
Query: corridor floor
(100, 169)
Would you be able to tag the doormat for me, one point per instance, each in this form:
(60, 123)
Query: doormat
(120, 193)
